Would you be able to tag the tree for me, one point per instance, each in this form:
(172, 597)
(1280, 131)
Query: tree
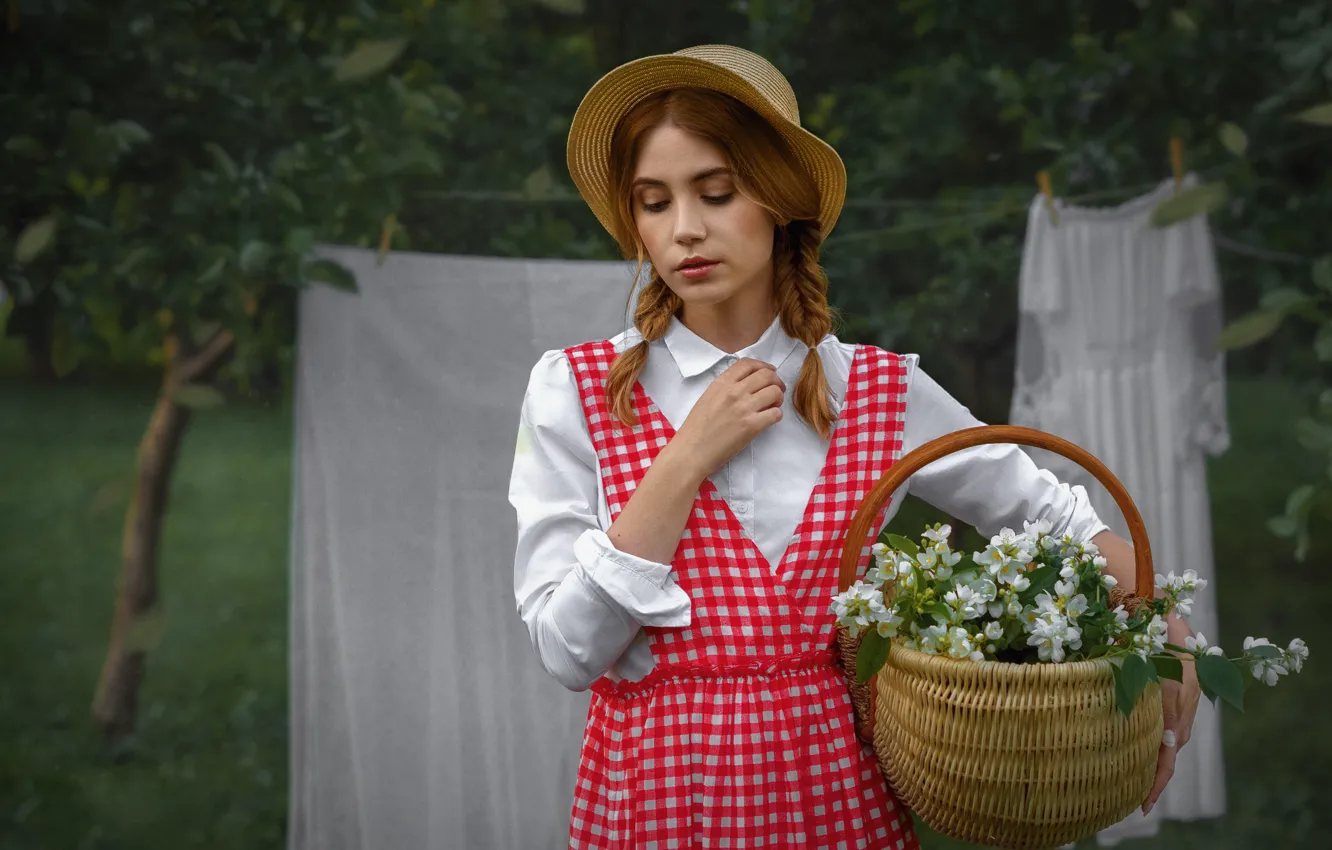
(165, 189)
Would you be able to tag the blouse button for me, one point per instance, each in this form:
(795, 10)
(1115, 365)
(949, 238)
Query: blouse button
(742, 508)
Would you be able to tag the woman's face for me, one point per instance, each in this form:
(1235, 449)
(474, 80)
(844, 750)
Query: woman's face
(687, 210)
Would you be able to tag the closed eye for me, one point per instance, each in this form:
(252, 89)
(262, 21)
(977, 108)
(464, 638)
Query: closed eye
(715, 200)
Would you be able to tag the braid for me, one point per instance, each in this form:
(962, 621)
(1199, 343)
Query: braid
(652, 317)
(801, 290)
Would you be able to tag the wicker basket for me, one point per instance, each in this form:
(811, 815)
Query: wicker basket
(999, 754)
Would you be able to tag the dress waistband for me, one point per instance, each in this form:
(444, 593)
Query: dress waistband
(730, 668)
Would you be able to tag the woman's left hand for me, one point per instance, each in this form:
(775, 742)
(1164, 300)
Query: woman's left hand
(1179, 704)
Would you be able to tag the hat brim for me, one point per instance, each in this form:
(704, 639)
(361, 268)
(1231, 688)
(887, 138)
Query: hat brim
(607, 102)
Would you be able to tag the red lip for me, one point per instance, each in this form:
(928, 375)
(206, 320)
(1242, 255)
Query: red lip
(691, 262)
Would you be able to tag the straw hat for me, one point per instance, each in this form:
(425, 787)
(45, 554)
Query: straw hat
(746, 76)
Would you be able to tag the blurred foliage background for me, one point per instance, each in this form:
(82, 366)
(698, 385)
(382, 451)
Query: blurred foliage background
(165, 167)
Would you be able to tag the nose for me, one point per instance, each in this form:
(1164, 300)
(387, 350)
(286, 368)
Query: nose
(688, 223)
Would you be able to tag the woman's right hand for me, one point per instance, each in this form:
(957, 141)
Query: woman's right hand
(740, 404)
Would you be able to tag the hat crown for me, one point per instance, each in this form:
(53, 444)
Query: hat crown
(753, 69)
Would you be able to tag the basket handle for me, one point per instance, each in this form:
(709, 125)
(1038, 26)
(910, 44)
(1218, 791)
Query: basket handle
(927, 453)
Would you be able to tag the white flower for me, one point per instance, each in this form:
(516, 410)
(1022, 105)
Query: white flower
(1269, 670)
(1251, 642)
(1048, 543)
(944, 571)
(995, 609)
(966, 602)
(1049, 634)
(1109, 581)
(880, 550)
(1014, 607)
(1069, 570)
(1037, 529)
(887, 625)
(959, 643)
(858, 607)
(1021, 583)
(930, 638)
(1184, 606)
(943, 533)
(1198, 643)
(994, 630)
(1296, 654)
(928, 559)
(1005, 538)
(1099, 562)
(978, 655)
(878, 576)
(984, 589)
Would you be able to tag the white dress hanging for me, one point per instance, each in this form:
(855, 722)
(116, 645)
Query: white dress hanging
(1116, 352)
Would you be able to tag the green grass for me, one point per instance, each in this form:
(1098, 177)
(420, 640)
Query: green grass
(208, 767)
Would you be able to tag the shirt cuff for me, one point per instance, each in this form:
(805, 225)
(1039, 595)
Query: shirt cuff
(643, 588)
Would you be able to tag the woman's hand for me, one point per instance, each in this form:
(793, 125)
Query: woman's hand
(1179, 700)
(1179, 707)
(740, 404)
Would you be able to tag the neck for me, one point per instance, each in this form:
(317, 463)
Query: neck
(728, 330)
(734, 323)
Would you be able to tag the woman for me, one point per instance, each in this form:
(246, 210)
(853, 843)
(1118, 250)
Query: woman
(683, 486)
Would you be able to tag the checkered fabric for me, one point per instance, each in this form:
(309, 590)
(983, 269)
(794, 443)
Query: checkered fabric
(743, 734)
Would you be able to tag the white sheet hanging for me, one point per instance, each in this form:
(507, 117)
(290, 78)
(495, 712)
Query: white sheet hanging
(420, 717)
(1116, 352)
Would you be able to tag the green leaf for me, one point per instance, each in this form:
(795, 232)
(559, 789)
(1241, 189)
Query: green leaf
(369, 58)
(25, 146)
(214, 269)
(1313, 435)
(1133, 677)
(1282, 526)
(1247, 330)
(129, 133)
(1299, 500)
(35, 239)
(538, 184)
(1042, 580)
(1322, 273)
(938, 610)
(1320, 115)
(223, 160)
(254, 256)
(1233, 138)
(1168, 667)
(901, 544)
(1222, 678)
(332, 273)
(197, 396)
(288, 198)
(871, 655)
(1190, 202)
(1285, 298)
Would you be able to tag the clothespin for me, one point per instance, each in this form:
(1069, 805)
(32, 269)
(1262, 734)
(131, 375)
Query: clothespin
(1177, 160)
(1043, 181)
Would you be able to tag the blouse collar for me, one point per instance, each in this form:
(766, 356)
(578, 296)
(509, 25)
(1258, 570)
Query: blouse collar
(695, 355)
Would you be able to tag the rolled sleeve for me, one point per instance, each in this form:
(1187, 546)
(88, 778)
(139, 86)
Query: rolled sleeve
(582, 601)
(643, 589)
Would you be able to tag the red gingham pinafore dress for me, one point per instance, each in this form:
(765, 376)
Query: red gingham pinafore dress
(743, 735)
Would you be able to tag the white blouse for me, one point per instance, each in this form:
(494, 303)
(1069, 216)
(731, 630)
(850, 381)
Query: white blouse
(584, 602)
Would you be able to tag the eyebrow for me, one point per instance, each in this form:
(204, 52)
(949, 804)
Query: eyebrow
(702, 175)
